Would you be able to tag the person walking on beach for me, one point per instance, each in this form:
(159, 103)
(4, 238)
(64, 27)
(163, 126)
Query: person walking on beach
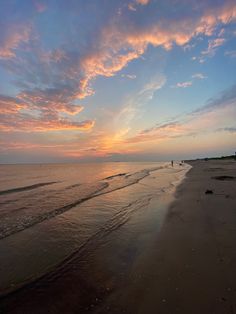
(172, 163)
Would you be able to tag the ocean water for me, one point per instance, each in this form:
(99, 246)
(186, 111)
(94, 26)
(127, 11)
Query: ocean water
(51, 212)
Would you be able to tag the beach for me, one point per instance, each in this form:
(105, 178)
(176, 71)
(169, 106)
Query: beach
(192, 266)
(178, 259)
(117, 157)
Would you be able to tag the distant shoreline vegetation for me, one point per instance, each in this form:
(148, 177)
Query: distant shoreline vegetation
(216, 158)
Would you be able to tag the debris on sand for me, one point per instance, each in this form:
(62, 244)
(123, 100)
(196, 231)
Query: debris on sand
(209, 192)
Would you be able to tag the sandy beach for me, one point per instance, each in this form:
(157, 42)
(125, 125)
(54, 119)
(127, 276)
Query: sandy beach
(186, 267)
(192, 269)
(192, 266)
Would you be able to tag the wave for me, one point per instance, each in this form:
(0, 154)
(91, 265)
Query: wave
(115, 176)
(73, 186)
(115, 222)
(35, 209)
(27, 188)
(111, 217)
(48, 206)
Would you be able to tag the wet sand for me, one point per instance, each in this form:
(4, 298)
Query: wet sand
(192, 268)
(187, 267)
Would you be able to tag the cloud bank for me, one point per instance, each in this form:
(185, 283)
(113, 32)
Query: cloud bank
(54, 52)
(52, 80)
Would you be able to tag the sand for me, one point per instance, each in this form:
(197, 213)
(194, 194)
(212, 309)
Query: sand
(190, 266)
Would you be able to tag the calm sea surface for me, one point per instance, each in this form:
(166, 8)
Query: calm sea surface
(50, 212)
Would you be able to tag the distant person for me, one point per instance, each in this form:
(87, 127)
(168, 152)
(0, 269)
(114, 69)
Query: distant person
(172, 163)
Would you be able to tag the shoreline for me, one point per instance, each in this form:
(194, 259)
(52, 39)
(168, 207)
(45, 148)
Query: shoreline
(192, 269)
(187, 267)
(11, 285)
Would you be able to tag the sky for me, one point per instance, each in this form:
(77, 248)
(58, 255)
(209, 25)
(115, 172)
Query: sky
(117, 80)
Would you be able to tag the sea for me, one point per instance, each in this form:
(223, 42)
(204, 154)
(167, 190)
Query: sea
(51, 214)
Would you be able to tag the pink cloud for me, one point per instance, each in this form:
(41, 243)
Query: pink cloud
(13, 145)
(57, 56)
(10, 105)
(164, 131)
(212, 45)
(217, 114)
(132, 5)
(49, 101)
(28, 123)
(118, 45)
(11, 38)
(129, 76)
(184, 84)
(215, 15)
(32, 112)
(199, 76)
(40, 6)
(143, 2)
(70, 74)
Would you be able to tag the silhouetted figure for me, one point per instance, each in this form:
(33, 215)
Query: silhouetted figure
(172, 163)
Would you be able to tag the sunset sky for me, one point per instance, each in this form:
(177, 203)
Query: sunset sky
(117, 80)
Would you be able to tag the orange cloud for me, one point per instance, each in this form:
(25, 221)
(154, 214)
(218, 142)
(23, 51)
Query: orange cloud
(165, 131)
(100, 144)
(106, 63)
(10, 105)
(39, 111)
(46, 117)
(143, 2)
(6, 146)
(50, 101)
(119, 45)
(217, 114)
(13, 36)
(28, 123)
(224, 14)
